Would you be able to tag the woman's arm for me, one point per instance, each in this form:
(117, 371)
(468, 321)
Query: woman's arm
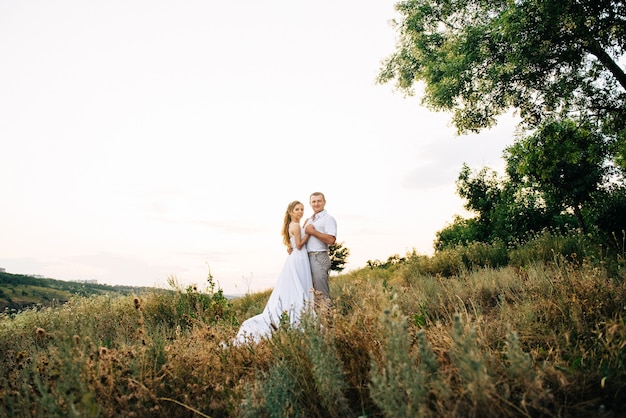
(294, 229)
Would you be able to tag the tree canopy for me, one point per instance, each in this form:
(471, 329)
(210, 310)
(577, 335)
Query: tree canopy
(560, 65)
(555, 179)
(563, 160)
(544, 58)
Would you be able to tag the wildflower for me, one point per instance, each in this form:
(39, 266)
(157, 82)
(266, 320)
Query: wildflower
(40, 332)
(137, 303)
(102, 351)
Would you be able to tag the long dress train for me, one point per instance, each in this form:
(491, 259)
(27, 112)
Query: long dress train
(292, 295)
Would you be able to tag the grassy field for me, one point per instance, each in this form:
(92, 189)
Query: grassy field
(458, 334)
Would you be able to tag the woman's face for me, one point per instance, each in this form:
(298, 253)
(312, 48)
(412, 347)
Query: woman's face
(297, 212)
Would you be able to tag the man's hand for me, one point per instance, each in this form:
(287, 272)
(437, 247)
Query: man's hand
(289, 250)
(309, 229)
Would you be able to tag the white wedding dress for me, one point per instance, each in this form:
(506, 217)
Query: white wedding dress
(292, 296)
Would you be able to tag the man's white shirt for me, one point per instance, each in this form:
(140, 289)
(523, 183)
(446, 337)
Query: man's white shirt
(325, 224)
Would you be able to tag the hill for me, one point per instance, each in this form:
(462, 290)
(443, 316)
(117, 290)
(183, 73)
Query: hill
(19, 291)
(452, 335)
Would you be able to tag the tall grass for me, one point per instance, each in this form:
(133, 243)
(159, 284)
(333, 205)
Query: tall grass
(447, 335)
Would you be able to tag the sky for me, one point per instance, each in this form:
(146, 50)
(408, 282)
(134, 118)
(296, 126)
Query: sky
(144, 140)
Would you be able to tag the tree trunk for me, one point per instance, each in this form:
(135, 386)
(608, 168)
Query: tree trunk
(579, 216)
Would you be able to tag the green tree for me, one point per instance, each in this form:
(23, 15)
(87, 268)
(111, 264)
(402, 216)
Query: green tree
(556, 178)
(461, 231)
(564, 161)
(607, 215)
(546, 59)
(338, 256)
(504, 210)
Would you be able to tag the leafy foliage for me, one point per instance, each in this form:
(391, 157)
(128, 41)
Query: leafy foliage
(564, 161)
(479, 58)
(505, 211)
(338, 256)
(557, 178)
(558, 64)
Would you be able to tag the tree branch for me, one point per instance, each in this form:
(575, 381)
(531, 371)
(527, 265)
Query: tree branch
(596, 49)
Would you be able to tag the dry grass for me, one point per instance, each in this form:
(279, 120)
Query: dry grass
(545, 339)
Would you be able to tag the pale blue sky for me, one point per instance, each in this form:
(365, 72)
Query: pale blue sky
(144, 139)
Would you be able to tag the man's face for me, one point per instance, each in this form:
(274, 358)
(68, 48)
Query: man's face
(317, 203)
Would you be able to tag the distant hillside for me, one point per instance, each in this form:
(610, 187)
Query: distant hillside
(19, 291)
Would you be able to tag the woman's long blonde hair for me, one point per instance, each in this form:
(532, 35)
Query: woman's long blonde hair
(287, 221)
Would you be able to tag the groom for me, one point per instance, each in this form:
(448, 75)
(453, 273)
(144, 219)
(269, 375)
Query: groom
(322, 229)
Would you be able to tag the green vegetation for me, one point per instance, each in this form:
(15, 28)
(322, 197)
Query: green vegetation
(548, 60)
(559, 66)
(456, 334)
(519, 313)
(19, 291)
(338, 256)
(557, 181)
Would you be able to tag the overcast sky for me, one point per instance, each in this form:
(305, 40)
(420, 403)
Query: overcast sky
(147, 139)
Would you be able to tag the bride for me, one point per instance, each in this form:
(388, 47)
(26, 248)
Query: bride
(293, 292)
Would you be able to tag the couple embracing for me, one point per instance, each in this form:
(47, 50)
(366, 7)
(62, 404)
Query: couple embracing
(303, 281)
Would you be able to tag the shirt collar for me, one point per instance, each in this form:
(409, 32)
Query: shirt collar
(319, 215)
